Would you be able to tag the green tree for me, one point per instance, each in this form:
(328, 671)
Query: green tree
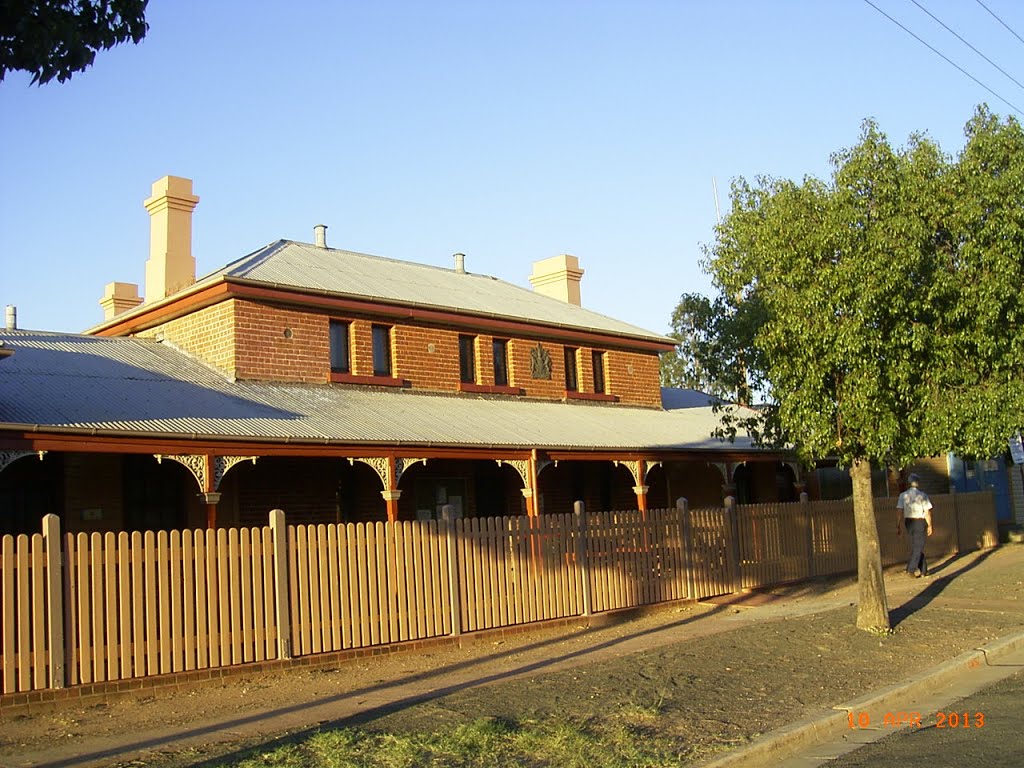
(714, 351)
(890, 308)
(57, 38)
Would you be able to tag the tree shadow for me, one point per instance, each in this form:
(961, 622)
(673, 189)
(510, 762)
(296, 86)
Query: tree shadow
(936, 584)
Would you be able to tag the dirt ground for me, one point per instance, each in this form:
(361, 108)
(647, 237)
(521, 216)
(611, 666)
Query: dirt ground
(707, 676)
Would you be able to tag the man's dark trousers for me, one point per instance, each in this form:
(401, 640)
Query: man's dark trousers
(917, 532)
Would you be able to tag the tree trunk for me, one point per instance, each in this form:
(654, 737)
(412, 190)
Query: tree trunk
(872, 606)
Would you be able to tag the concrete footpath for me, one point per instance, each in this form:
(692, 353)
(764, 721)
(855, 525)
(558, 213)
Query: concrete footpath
(923, 701)
(914, 704)
(184, 728)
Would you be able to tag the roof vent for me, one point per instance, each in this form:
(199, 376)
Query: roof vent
(320, 235)
(12, 317)
(460, 262)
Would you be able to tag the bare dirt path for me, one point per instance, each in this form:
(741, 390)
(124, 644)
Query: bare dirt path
(708, 676)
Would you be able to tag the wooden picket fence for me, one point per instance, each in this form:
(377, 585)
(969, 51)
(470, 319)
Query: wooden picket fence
(79, 609)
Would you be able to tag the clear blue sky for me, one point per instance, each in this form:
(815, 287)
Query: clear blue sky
(510, 131)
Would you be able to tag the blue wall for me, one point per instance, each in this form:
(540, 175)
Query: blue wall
(967, 476)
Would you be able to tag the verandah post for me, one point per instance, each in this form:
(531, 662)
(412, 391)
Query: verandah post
(279, 534)
(54, 599)
(448, 517)
(582, 562)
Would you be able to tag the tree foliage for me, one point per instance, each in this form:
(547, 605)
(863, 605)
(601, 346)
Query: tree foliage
(889, 307)
(714, 348)
(57, 38)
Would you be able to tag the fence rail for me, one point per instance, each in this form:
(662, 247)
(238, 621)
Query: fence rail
(84, 608)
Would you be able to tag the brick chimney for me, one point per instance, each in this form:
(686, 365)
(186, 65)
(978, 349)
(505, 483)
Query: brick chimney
(118, 298)
(558, 277)
(171, 266)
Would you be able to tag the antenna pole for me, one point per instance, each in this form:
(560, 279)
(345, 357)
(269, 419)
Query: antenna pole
(718, 213)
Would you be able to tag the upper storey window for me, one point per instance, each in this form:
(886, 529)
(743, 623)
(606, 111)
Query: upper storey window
(598, 359)
(571, 378)
(381, 350)
(501, 362)
(340, 333)
(467, 359)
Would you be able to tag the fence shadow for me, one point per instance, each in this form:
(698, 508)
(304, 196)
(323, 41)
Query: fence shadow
(937, 584)
(372, 713)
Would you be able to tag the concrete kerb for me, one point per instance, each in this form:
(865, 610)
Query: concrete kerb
(785, 742)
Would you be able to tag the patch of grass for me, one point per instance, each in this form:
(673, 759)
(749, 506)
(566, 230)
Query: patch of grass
(483, 743)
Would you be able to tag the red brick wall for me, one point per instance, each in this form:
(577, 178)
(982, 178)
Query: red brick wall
(249, 340)
(93, 483)
(309, 490)
(275, 344)
(633, 377)
(700, 484)
(361, 347)
(208, 334)
(519, 352)
(428, 358)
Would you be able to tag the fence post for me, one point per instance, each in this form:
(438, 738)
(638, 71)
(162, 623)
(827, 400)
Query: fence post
(54, 599)
(448, 516)
(279, 534)
(805, 508)
(956, 521)
(582, 557)
(685, 524)
(734, 543)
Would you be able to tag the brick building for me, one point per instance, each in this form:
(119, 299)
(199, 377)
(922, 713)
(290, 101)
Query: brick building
(342, 387)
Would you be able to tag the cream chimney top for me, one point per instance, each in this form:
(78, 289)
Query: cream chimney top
(558, 277)
(118, 298)
(171, 266)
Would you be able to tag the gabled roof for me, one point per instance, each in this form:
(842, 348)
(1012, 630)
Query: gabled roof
(347, 274)
(131, 385)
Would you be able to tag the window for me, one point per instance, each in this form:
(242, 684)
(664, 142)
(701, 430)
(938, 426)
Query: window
(571, 383)
(501, 362)
(598, 358)
(381, 350)
(339, 340)
(467, 359)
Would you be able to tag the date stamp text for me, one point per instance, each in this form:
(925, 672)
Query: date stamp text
(900, 719)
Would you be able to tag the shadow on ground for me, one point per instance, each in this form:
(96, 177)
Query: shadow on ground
(372, 713)
(938, 583)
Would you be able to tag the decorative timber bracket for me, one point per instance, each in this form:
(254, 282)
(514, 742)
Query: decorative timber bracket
(378, 464)
(194, 463)
(221, 465)
(633, 467)
(725, 468)
(9, 457)
(402, 465)
(201, 466)
(522, 466)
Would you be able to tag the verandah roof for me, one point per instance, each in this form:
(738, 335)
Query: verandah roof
(137, 385)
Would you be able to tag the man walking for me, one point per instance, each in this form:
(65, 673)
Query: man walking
(915, 514)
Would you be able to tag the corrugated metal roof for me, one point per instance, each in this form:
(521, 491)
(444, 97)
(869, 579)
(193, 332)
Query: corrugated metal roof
(58, 380)
(303, 266)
